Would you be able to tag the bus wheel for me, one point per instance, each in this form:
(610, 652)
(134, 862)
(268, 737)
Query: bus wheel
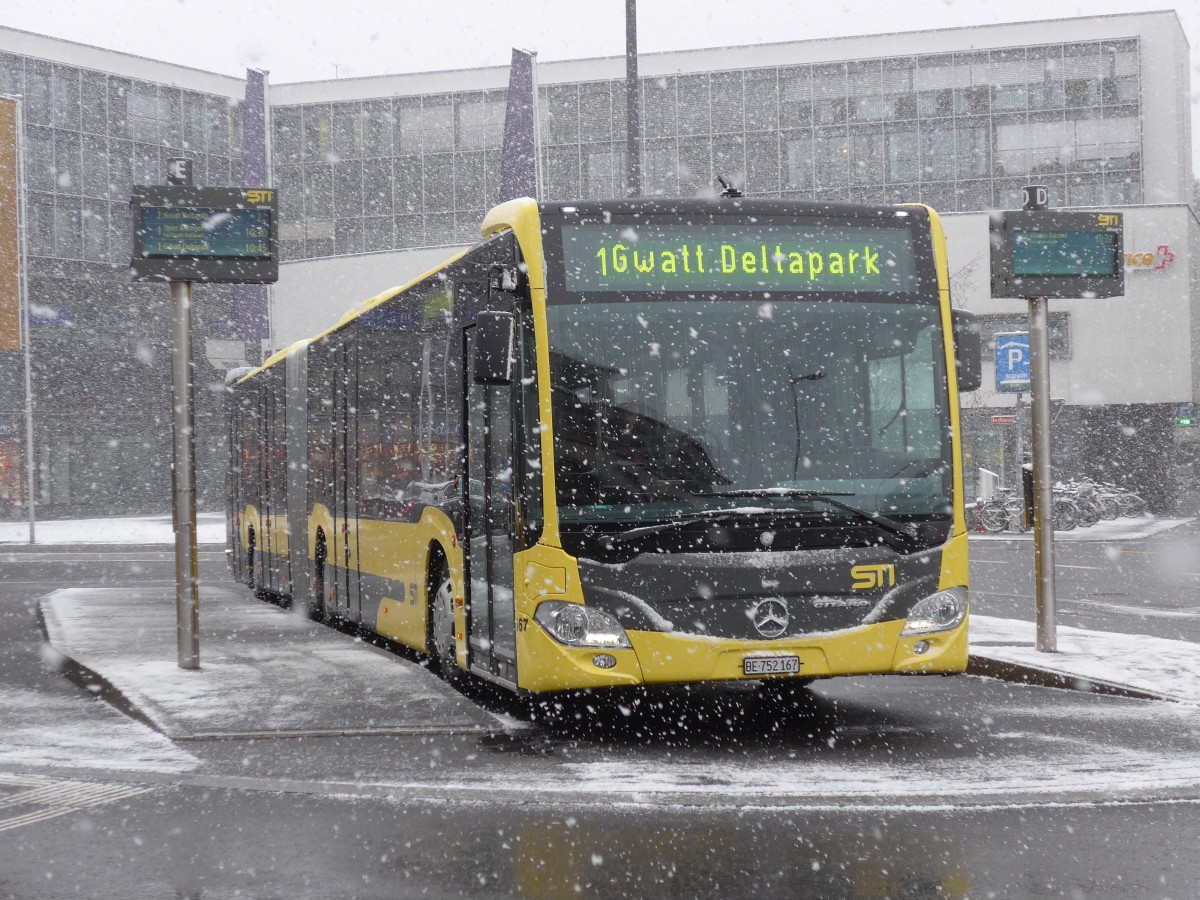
(442, 615)
(250, 558)
(316, 609)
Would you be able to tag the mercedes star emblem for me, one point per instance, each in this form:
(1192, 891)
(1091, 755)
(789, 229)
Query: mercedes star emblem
(770, 618)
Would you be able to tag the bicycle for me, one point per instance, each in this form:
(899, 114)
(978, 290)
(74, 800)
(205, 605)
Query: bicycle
(1003, 512)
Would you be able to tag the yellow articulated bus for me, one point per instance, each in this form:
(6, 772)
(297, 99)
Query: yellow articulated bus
(628, 443)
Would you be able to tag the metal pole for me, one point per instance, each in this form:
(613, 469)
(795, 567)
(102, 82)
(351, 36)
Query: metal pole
(26, 333)
(183, 480)
(1043, 482)
(633, 104)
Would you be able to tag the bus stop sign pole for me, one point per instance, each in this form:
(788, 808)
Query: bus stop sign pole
(1043, 482)
(187, 572)
(1036, 197)
(183, 470)
(1039, 253)
(183, 234)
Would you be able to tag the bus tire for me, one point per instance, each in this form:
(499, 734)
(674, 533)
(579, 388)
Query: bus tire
(316, 609)
(441, 618)
(250, 558)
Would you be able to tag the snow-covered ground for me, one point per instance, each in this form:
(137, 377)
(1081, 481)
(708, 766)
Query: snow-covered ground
(1149, 664)
(250, 665)
(251, 683)
(210, 529)
(1123, 529)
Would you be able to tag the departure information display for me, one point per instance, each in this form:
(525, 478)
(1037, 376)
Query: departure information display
(657, 257)
(218, 235)
(1060, 254)
(1079, 253)
(211, 233)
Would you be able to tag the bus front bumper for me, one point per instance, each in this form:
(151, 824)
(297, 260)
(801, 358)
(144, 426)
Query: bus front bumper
(672, 658)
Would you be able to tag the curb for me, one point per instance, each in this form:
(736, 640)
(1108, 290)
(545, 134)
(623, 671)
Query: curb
(1017, 673)
(92, 681)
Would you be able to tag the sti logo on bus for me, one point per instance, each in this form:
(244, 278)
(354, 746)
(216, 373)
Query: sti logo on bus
(867, 577)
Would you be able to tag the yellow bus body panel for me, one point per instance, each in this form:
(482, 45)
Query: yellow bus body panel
(664, 658)
(392, 551)
(399, 552)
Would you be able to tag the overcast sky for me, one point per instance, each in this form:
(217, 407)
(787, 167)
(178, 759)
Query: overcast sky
(304, 40)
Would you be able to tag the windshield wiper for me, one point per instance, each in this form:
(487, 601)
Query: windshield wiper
(900, 529)
(712, 515)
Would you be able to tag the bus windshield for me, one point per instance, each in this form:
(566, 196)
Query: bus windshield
(671, 403)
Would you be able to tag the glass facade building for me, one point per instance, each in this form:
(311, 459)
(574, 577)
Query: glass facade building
(960, 119)
(959, 131)
(100, 344)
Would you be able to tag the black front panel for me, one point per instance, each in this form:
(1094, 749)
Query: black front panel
(724, 594)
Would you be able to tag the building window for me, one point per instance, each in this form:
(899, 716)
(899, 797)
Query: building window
(902, 158)
(800, 163)
(833, 155)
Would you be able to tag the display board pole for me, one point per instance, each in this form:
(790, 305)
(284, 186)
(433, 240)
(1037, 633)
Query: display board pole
(183, 480)
(1043, 481)
(633, 105)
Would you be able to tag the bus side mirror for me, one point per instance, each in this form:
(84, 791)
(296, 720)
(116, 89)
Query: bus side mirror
(968, 350)
(494, 357)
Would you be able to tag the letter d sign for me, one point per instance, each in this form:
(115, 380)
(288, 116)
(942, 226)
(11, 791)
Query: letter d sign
(1035, 196)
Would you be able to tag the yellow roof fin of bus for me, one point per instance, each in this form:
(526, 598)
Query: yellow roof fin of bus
(507, 215)
(522, 216)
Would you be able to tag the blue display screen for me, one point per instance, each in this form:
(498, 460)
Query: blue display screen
(1071, 253)
(206, 233)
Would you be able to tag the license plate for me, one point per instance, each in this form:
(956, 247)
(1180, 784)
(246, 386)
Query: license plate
(770, 665)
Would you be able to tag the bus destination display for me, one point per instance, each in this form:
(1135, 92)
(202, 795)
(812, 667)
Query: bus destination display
(650, 257)
(209, 233)
(1078, 253)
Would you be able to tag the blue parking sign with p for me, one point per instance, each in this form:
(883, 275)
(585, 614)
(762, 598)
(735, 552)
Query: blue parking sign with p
(1012, 362)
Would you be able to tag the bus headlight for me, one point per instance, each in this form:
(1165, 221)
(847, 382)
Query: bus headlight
(580, 626)
(943, 611)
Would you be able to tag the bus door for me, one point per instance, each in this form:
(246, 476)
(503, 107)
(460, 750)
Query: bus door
(262, 495)
(266, 513)
(238, 474)
(490, 523)
(343, 543)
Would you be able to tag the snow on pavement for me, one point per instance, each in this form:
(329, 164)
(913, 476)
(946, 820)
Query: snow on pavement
(1156, 665)
(210, 529)
(1122, 529)
(81, 732)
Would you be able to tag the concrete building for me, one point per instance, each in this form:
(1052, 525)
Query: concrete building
(377, 177)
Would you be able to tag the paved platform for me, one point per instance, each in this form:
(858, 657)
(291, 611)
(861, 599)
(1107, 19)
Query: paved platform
(269, 672)
(1133, 665)
(264, 671)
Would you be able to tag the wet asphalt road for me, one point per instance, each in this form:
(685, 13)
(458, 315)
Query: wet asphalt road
(1149, 586)
(454, 816)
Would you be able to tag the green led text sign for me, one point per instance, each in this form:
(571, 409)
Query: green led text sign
(651, 257)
